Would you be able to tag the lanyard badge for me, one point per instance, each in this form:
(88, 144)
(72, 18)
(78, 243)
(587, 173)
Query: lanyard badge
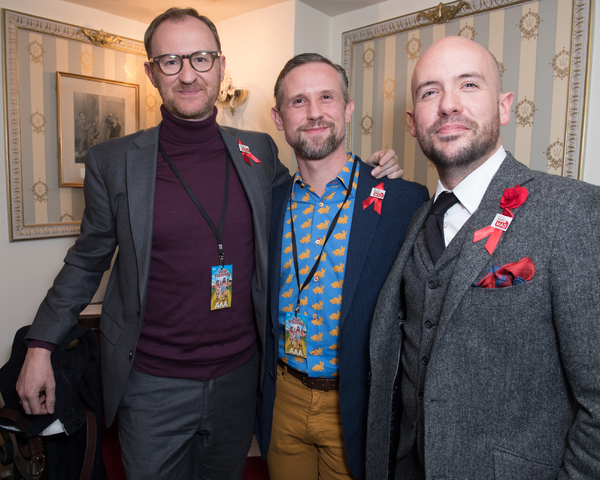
(221, 276)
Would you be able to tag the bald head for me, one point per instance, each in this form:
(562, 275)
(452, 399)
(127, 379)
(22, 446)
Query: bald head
(458, 107)
(458, 51)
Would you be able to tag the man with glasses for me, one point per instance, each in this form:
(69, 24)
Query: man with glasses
(188, 205)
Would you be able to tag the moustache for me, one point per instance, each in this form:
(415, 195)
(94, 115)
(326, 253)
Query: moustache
(317, 124)
(459, 119)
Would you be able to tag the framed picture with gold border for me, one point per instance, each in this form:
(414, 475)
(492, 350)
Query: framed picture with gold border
(542, 50)
(90, 111)
(44, 182)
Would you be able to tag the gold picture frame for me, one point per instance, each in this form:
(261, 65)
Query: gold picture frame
(91, 110)
(41, 204)
(542, 48)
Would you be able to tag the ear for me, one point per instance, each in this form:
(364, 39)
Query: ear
(411, 119)
(223, 63)
(506, 100)
(276, 116)
(349, 110)
(149, 72)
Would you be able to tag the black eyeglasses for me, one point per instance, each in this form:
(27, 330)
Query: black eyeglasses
(171, 64)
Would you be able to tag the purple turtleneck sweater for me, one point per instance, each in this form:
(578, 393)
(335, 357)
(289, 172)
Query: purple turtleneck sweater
(181, 337)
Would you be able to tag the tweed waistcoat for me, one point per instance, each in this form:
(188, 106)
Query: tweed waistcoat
(424, 290)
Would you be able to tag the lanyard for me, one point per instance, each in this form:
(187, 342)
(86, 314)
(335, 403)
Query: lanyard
(329, 232)
(218, 233)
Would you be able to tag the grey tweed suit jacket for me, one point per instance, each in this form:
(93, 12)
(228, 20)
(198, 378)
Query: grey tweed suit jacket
(512, 388)
(119, 204)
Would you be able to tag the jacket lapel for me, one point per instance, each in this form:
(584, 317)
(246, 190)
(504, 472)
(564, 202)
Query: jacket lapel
(141, 181)
(362, 232)
(281, 194)
(473, 257)
(232, 145)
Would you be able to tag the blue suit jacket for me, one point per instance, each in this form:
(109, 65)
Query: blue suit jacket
(374, 243)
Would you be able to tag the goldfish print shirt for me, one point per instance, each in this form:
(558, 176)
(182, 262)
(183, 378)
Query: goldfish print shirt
(321, 299)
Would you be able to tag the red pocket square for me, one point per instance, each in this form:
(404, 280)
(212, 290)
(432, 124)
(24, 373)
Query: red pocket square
(509, 275)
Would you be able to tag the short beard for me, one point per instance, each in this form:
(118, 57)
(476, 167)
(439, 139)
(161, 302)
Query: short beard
(484, 142)
(315, 149)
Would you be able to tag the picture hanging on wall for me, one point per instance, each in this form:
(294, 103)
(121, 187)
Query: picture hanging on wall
(44, 169)
(90, 111)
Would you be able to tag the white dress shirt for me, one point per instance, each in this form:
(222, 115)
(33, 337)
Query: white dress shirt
(469, 193)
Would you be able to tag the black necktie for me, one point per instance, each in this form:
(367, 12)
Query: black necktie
(434, 227)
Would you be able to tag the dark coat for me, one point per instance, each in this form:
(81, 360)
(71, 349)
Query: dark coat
(119, 201)
(76, 365)
(374, 242)
(512, 387)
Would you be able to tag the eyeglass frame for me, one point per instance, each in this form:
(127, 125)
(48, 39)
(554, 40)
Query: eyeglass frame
(214, 55)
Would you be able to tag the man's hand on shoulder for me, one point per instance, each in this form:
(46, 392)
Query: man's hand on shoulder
(36, 385)
(386, 164)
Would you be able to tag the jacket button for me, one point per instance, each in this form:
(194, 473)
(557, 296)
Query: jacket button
(432, 284)
(425, 360)
(272, 374)
(428, 324)
(421, 395)
(130, 354)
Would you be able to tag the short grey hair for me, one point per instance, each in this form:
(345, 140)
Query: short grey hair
(305, 59)
(178, 15)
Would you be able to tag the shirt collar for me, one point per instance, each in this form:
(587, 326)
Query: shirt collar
(343, 176)
(472, 188)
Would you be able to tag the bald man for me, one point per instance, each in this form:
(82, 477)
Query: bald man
(485, 344)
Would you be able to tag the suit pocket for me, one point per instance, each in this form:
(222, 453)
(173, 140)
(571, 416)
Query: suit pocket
(513, 466)
(110, 329)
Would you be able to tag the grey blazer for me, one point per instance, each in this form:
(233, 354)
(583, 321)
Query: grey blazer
(119, 203)
(512, 389)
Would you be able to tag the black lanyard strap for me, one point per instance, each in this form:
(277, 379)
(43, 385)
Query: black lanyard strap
(329, 232)
(218, 233)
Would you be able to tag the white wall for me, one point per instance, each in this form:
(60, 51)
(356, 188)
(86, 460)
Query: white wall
(256, 46)
(312, 31)
(27, 268)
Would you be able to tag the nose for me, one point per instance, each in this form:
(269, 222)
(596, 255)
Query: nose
(187, 74)
(449, 104)
(315, 112)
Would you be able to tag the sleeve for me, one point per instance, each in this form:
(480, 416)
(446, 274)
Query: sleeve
(84, 264)
(279, 172)
(575, 291)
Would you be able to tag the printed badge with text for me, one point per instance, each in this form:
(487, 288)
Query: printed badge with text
(295, 334)
(221, 287)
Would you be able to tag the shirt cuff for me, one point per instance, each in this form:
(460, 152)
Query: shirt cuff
(41, 344)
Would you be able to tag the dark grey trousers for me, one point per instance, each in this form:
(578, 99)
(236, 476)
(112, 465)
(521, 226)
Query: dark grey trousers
(172, 428)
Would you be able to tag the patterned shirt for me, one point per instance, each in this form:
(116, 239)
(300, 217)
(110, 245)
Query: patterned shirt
(321, 299)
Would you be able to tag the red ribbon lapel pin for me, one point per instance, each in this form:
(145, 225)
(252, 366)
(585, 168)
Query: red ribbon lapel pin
(376, 198)
(247, 154)
(512, 198)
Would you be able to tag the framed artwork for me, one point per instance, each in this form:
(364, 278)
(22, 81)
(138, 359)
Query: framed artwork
(542, 49)
(54, 70)
(90, 110)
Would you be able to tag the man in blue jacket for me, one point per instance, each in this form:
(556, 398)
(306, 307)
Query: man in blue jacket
(334, 227)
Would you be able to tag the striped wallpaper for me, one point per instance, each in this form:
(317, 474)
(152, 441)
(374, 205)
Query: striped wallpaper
(35, 49)
(541, 47)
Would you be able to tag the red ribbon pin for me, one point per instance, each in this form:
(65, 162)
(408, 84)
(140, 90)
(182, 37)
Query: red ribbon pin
(493, 232)
(512, 198)
(247, 154)
(376, 197)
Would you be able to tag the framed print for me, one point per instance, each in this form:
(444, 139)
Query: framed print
(101, 76)
(90, 110)
(542, 50)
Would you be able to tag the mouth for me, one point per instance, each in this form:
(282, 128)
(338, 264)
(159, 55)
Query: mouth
(451, 129)
(314, 129)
